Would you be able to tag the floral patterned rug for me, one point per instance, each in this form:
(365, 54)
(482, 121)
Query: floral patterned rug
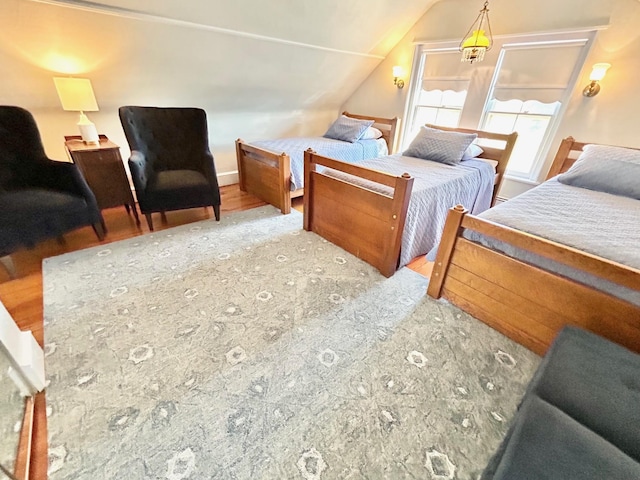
(250, 348)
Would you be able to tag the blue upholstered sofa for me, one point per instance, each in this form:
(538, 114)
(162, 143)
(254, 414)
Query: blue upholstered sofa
(580, 416)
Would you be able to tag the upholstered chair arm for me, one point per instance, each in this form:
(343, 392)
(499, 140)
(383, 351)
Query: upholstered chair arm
(141, 171)
(63, 176)
(209, 170)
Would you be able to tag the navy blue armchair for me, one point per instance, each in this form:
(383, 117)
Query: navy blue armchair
(171, 165)
(39, 198)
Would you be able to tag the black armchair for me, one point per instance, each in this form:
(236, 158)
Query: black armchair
(171, 165)
(39, 198)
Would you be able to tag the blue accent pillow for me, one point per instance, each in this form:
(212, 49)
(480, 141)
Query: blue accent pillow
(605, 168)
(440, 145)
(348, 129)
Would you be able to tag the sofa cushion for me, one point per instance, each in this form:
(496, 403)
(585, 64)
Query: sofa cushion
(546, 443)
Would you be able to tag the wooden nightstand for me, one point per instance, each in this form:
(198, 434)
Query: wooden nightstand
(102, 167)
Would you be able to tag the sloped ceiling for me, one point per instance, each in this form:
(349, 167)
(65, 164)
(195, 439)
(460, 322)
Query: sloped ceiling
(365, 26)
(259, 68)
(256, 54)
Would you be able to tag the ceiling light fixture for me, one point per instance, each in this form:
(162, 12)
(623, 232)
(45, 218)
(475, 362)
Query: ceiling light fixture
(475, 42)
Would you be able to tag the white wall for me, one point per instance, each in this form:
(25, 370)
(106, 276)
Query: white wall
(259, 69)
(611, 117)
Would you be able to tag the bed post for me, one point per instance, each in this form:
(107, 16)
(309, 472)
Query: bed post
(284, 166)
(445, 250)
(401, 198)
(309, 167)
(239, 157)
(563, 153)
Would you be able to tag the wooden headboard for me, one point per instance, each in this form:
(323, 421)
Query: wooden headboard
(567, 155)
(501, 155)
(388, 127)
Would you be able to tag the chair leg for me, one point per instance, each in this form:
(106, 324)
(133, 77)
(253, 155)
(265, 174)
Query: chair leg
(163, 218)
(100, 230)
(149, 221)
(9, 266)
(216, 212)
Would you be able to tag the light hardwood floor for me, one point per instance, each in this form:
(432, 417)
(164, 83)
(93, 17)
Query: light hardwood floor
(23, 296)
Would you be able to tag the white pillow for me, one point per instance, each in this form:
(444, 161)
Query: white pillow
(472, 151)
(371, 133)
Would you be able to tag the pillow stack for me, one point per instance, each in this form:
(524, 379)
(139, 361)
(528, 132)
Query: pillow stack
(440, 145)
(608, 169)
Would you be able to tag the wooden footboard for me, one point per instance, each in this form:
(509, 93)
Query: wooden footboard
(524, 302)
(265, 175)
(366, 223)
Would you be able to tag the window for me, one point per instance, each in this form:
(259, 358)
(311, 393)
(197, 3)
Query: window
(442, 92)
(531, 119)
(523, 85)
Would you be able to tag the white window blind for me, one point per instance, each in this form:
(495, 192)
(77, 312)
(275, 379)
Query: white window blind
(537, 72)
(445, 71)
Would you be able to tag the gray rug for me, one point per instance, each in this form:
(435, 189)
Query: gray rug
(250, 348)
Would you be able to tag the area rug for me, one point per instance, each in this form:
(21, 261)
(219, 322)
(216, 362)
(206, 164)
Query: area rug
(250, 349)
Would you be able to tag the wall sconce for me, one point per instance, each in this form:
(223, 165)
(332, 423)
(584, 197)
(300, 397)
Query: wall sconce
(597, 73)
(76, 95)
(475, 43)
(398, 73)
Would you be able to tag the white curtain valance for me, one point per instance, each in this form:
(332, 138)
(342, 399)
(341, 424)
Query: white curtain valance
(444, 84)
(542, 95)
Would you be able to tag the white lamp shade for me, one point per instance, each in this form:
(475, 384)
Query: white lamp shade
(599, 71)
(76, 94)
(398, 71)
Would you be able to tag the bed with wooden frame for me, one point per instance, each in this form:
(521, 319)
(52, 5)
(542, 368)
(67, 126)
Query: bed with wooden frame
(527, 303)
(267, 175)
(365, 222)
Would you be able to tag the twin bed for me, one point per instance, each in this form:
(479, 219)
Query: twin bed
(556, 255)
(392, 209)
(276, 177)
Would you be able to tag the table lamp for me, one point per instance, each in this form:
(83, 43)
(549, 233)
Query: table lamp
(76, 95)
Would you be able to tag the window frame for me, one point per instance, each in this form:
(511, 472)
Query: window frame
(475, 108)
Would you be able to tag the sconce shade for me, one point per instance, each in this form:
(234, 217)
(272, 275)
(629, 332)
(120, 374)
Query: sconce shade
(76, 94)
(475, 43)
(599, 71)
(398, 73)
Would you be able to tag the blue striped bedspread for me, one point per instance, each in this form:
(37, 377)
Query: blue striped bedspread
(345, 151)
